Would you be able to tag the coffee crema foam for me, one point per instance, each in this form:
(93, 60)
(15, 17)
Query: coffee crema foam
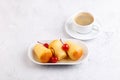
(84, 19)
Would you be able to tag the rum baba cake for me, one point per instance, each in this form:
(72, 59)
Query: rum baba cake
(74, 51)
(42, 53)
(56, 47)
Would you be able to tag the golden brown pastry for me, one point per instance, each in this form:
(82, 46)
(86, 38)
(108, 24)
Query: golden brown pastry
(56, 48)
(42, 53)
(74, 51)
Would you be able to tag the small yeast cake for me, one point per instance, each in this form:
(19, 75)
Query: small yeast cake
(56, 48)
(42, 53)
(74, 51)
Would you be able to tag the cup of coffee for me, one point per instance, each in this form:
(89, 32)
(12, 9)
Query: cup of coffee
(83, 22)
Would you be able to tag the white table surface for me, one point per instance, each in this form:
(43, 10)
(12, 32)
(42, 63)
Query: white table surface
(26, 21)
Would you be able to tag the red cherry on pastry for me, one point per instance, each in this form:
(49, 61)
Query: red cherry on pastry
(65, 47)
(46, 45)
(54, 59)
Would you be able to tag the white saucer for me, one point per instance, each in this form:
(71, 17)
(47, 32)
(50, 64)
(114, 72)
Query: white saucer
(91, 35)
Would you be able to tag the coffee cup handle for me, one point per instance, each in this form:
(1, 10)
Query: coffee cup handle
(95, 27)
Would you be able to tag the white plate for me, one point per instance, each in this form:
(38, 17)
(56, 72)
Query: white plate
(62, 62)
(91, 35)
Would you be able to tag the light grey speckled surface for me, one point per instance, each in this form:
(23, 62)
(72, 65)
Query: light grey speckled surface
(25, 21)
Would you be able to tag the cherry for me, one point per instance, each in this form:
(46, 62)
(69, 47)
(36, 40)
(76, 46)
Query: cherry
(65, 47)
(53, 59)
(46, 45)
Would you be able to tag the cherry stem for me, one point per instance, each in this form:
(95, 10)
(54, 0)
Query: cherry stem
(39, 42)
(61, 41)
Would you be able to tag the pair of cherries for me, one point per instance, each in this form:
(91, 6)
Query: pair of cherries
(54, 59)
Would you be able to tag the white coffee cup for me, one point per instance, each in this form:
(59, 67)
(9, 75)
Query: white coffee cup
(83, 22)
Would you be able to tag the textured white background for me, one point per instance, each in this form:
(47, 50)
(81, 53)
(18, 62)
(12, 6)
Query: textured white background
(25, 21)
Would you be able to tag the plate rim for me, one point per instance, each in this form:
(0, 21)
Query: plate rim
(61, 63)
